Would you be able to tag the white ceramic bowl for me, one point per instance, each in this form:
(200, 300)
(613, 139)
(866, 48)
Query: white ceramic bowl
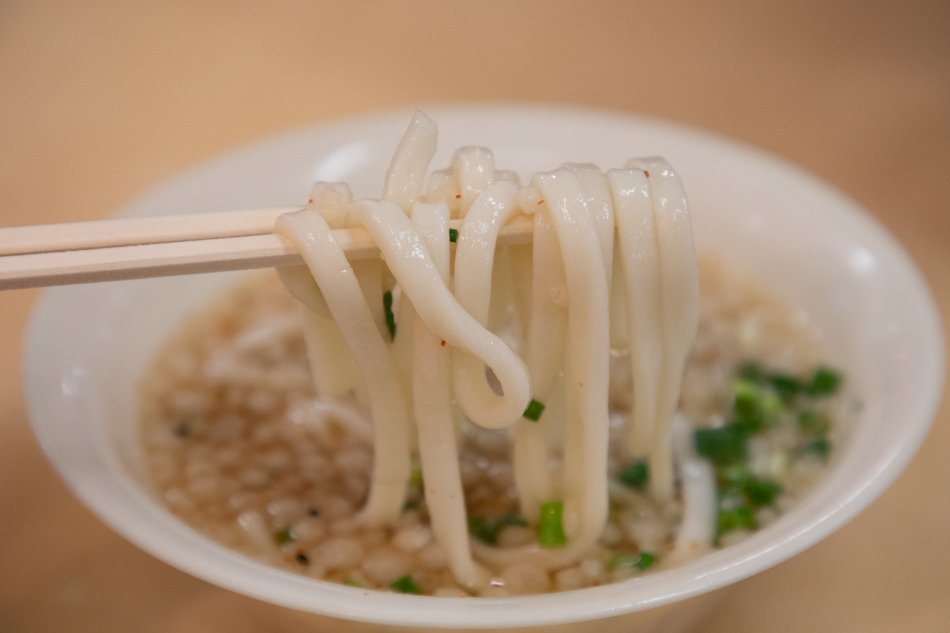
(87, 347)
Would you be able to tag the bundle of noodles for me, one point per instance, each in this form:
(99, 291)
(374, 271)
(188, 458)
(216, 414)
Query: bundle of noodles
(495, 333)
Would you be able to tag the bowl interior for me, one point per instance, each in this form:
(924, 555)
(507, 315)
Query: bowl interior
(88, 346)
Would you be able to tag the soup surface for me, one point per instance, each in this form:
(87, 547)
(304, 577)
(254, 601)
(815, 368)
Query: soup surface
(238, 446)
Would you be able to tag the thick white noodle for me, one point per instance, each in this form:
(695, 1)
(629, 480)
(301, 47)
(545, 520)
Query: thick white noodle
(586, 379)
(619, 336)
(404, 184)
(696, 531)
(587, 358)
(332, 366)
(507, 174)
(402, 344)
(407, 170)
(369, 275)
(443, 188)
(636, 235)
(438, 451)
(404, 251)
(474, 262)
(332, 201)
(545, 346)
(679, 306)
(313, 238)
(547, 330)
(600, 205)
(474, 170)
(341, 412)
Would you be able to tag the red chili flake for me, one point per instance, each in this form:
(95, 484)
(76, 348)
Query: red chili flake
(458, 196)
(540, 202)
(309, 200)
(647, 173)
(442, 342)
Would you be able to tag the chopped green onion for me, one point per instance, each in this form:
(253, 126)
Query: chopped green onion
(284, 536)
(747, 426)
(732, 476)
(755, 405)
(812, 422)
(738, 518)
(722, 446)
(486, 529)
(819, 447)
(624, 560)
(736, 482)
(350, 582)
(453, 235)
(824, 382)
(645, 561)
(390, 317)
(534, 410)
(636, 474)
(746, 398)
(760, 492)
(550, 528)
(405, 584)
(787, 386)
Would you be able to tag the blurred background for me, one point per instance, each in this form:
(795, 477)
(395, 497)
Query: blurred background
(101, 100)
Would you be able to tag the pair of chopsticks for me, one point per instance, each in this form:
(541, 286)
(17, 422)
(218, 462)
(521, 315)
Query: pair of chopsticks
(133, 248)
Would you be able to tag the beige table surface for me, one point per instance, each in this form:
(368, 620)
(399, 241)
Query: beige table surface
(99, 100)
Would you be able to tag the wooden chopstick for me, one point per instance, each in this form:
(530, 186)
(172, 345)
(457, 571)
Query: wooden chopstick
(47, 238)
(133, 248)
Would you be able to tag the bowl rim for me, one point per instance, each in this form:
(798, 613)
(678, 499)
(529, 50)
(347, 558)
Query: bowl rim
(712, 571)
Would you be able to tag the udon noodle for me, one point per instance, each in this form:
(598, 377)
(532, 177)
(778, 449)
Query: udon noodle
(533, 341)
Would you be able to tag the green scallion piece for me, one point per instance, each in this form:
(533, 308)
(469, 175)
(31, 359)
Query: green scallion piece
(534, 410)
(760, 492)
(755, 405)
(350, 582)
(453, 235)
(746, 398)
(787, 386)
(645, 561)
(636, 474)
(729, 519)
(824, 382)
(722, 446)
(390, 317)
(405, 584)
(732, 476)
(550, 527)
(624, 560)
(819, 447)
(284, 536)
(813, 423)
